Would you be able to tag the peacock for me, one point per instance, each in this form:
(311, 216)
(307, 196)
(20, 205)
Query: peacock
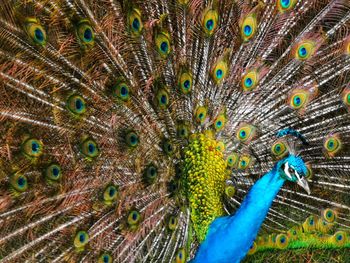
(174, 131)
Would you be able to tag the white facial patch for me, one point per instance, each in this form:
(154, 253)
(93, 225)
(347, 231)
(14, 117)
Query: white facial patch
(286, 171)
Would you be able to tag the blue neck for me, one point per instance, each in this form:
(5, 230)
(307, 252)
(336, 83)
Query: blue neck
(230, 237)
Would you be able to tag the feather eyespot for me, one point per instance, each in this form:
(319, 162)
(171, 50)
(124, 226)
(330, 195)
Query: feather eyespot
(185, 82)
(76, 105)
(168, 147)
(19, 182)
(135, 22)
(162, 99)
(105, 258)
(249, 27)
(180, 256)
(219, 71)
(305, 50)
(285, 5)
(90, 148)
(32, 148)
(85, 33)
(209, 21)
(244, 162)
(329, 215)
(279, 149)
(282, 241)
(150, 173)
(35, 31)
(162, 41)
(172, 223)
(121, 91)
(298, 99)
(81, 239)
(182, 130)
(246, 133)
(134, 218)
(230, 191)
(53, 172)
(132, 139)
(110, 194)
(332, 145)
(220, 122)
(201, 114)
(232, 160)
(250, 80)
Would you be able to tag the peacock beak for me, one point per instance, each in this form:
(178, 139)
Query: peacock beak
(303, 183)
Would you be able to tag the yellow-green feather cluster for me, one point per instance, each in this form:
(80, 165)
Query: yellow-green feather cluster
(205, 174)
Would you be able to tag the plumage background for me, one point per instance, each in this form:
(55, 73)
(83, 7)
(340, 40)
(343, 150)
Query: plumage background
(105, 106)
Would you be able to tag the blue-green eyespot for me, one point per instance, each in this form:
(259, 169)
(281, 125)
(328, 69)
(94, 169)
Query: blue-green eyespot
(19, 182)
(76, 104)
(53, 172)
(32, 148)
(85, 34)
(35, 31)
(135, 22)
(81, 239)
(110, 194)
(90, 148)
(132, 139)
(105, 258)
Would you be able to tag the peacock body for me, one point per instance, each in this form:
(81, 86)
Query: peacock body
(132, 131)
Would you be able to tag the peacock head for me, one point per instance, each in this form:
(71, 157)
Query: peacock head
(293, 169)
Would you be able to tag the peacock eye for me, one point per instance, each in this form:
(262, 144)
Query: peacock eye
(250, 80)
(249, 27)
(209, 21)
(201, 114)
(134, 218)
(19, 182)
(135, 22)
(54, 172)
(105, 258)
(172, 223)
(346, 97)
(85, 34)
(181, 256)
(32, 148)
(329, 215)
(163, 99)
(332, 145)
(162, 41)
(232, 160)
(76, 104)
(230, 191)
(219, 71)
(279, 149)
(245, 132)
(285, 5)
(220, 122)
(151, 173)
(81, 239)
(35, 31)
(121, 91)
(182, 131)
(244, 162)
(304, 50)
(298, 99)
(89, 148)
(168, 147)
(132, 139)
(110, 194)
(185, 82)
